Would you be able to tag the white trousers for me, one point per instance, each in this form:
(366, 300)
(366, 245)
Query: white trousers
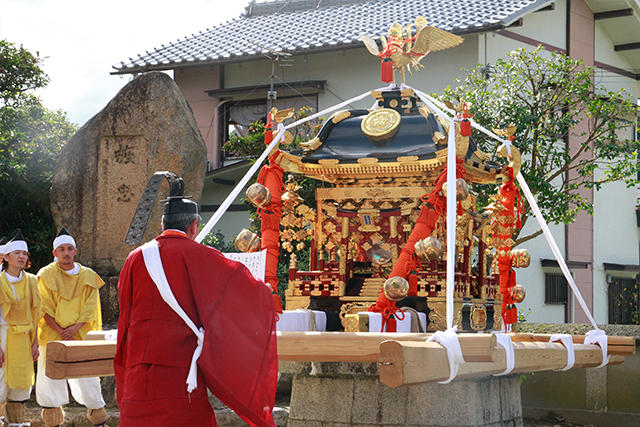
(53, 393)
(6, 392)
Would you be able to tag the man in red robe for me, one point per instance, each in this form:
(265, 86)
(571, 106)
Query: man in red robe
(156, 346)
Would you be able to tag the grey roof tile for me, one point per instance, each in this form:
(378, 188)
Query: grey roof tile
(308, 25)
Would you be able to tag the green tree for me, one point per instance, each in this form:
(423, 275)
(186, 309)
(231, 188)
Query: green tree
(549, 97)
(31, 136)
(251, 147)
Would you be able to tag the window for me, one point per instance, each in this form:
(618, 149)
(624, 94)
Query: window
(624, 304)
(555, 289)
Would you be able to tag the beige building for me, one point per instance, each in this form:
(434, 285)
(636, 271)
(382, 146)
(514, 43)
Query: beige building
(312, 49)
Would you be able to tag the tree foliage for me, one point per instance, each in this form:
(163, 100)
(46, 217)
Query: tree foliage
(549, 97)
(31, 136)
(251, 147)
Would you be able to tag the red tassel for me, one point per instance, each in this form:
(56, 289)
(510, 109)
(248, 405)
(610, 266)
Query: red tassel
(465, 127)
(386, 70)
(512, 315)
(413, 285)
(391, 324)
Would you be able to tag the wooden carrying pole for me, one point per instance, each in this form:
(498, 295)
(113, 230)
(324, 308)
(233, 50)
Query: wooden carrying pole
(615, 344)
(80, 359)
(405, 363)
(94, 357)
(406, 357)
(365, 346)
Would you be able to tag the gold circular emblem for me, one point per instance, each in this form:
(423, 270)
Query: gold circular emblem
(381, 124)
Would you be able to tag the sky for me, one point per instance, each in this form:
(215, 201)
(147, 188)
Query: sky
(80, 41)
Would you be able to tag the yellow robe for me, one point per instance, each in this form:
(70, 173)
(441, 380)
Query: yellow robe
(22, 313)
(69, 299)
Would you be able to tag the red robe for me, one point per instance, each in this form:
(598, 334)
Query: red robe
(239, 359)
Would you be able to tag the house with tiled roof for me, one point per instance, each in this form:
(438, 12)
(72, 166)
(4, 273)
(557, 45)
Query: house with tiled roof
(309, 53)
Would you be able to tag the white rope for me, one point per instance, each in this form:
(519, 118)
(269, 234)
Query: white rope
(554, 247)
(504, 340)
(451, 221)
(449, 340)
(473, 123)
(599, 337)
(258, 163)
(567, 342)
(153, 263)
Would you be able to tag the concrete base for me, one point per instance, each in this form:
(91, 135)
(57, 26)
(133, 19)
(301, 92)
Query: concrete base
(350, 394)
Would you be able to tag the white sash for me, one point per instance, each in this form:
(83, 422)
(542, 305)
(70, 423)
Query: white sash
(152, 261)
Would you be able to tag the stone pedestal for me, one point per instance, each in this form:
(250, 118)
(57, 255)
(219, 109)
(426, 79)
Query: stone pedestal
(350, 394)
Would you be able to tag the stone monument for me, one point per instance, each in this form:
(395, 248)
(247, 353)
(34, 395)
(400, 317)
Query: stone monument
(147, 127)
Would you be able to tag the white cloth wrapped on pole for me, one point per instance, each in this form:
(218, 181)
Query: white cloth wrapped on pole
(504, 341)
(567, 342)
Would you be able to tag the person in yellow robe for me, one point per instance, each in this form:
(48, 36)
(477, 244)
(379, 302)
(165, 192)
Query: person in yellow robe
(19, 315)
(71, 308)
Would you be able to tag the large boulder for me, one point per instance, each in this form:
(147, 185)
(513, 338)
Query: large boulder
(102, 171)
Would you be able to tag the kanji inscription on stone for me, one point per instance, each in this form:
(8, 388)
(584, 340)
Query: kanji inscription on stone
(124, 193)
(124, 154)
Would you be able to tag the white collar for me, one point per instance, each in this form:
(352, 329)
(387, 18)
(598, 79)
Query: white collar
(13, 279)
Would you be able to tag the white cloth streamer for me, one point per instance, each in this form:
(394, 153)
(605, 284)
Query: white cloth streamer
(153, 263)
(474, 124)
(596, 333)
(504, 340)
(567, 342)
(599, 337)
(449, 340)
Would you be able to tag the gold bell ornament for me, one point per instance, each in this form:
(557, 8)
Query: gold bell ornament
(258, 195)
(518, 293)
(247, 241)
(462, 190)
(378, 255)
(396, 288)
(429, 248)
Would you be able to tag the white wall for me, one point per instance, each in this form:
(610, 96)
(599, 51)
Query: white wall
(605, 53)
(350, 72)
(232, 222)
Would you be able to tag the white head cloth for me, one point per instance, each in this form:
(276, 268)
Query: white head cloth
(16, 245)
(63, 239)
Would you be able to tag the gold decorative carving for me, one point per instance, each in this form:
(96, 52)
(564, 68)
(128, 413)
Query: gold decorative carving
(478, 317)
(351, 323)
(381, 124)
(437, 316)
(425, 111)
(340, 116)
(296, 302)
(497, 317)
(407, 159)
(439, 137)
(311, 145)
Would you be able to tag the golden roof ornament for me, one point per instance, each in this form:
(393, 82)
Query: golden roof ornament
(403, 49)
(506, 133)
(280, 116)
